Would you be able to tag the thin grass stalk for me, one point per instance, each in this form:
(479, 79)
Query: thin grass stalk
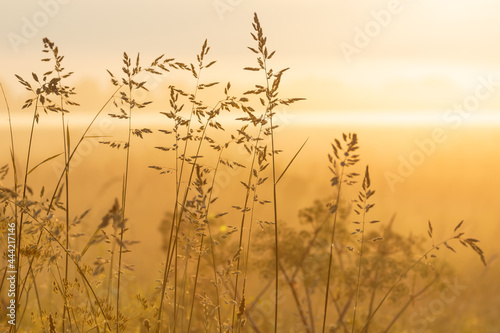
(212, 250)
(270, 113)
(3, 278)
(111, 265)
(347, 160)
(174, 215)
(262, 51)
(195, 285)
(182, 298)
(245, 206)
(247, 252)
(66, 173)
(332, 245)
(275, 204)
(178, 177)
(258, 29)
(20, 226)
(61, 286)
(271, 102)
(176, 258)
(361, 251)
(124, 201)
(165, 272)
(13, 160)
(200, 253)
(13, 154)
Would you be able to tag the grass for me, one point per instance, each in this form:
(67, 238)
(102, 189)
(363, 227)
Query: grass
(347, 160)
(215, 276)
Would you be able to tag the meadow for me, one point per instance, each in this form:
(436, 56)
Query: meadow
(216, 214)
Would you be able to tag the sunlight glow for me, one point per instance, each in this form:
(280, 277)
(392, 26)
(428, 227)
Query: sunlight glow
(304, 118)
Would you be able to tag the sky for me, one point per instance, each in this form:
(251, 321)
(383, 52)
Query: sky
(390, 55)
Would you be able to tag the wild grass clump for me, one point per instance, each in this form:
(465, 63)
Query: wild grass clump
(339, 269)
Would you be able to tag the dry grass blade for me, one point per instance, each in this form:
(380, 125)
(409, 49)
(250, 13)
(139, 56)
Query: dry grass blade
(44, 161)
(291, 161)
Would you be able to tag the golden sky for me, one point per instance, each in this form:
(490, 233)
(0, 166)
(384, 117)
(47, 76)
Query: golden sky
(344, 55)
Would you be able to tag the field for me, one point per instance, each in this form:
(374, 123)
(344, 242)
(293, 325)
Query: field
(182, 204)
